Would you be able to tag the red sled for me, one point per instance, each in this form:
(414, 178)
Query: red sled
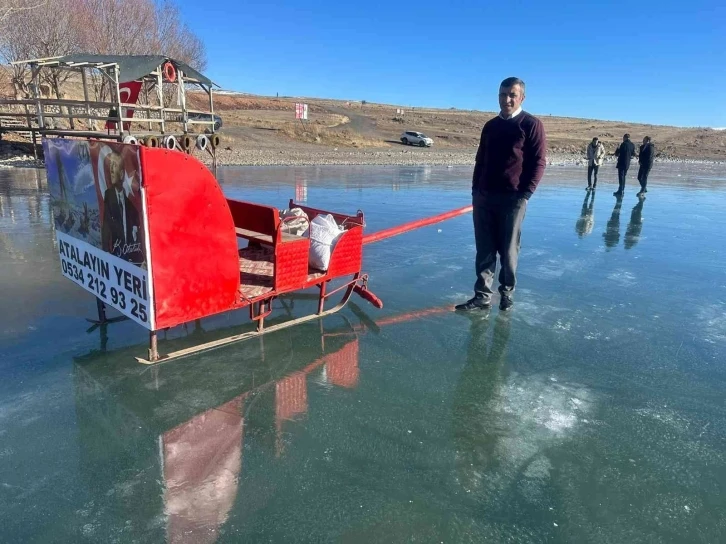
(153, 236)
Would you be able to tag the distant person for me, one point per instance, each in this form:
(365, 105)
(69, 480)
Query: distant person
(584, 224)
(595, 156)
(646, 156)
(612, 230)
(625, 152)
(510, 163)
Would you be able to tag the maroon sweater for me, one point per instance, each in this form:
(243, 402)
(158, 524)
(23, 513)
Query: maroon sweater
(511, 156)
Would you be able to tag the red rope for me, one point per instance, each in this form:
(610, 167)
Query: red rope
(412, 225)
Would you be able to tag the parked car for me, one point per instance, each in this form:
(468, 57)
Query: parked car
(206, 117)
(416, 138)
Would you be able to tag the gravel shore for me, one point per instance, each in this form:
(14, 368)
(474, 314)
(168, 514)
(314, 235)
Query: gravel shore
(343, 156)
(310, 156)
(392, 156)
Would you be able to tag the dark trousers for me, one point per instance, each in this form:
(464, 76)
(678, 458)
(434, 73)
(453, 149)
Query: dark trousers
(592, 168)
(622, 172)
(643, 172)
(497, 230)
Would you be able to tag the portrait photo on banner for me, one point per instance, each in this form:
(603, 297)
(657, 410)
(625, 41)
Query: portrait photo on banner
(95, 192)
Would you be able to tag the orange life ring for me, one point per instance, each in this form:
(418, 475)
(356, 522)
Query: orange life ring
(169, 72)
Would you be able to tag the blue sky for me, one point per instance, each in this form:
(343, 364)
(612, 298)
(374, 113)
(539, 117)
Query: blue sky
(654, 62)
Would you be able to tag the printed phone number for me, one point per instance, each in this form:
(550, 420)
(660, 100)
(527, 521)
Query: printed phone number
(117, 297)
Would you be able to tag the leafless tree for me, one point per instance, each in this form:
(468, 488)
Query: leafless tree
(5, 82)
(48, 28)
(14, 44)
(173, 38)
(44, 30)
(138, 27)
(9, 7)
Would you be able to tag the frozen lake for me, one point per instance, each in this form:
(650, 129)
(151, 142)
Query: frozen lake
(594, 411)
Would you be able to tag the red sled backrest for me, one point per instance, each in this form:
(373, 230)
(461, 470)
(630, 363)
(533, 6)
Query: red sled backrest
(193, 245)
(254, 217)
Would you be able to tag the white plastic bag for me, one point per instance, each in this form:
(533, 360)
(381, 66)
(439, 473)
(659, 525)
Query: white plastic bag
(294, 221)
(323, 234)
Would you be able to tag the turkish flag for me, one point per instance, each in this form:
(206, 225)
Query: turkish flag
(129, 95)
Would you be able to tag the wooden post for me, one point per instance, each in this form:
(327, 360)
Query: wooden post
(211, 112)
(119, 113)
(35, 70)
(153, 347)
(103, 330)
(27, 116)
(211, 107)
(160, 93)
(261, 313)
(101, 310)
(35, 145)
(91, 123)
(183, 100)
(146, 96)
(321, 302)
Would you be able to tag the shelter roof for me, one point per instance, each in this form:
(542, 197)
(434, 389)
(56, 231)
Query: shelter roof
(131, 67)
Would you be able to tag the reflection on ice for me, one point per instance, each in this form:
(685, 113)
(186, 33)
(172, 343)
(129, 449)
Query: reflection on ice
(593, 412)
(612, 231)
(201, 464)
(506, 422)
(586, 221)
(635, 226)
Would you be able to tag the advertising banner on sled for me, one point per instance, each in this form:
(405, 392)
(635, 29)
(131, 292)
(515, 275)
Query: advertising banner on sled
(97, 204)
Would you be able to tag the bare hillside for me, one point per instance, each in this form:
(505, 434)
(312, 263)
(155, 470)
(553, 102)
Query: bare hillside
(267, 125)
(379, 126)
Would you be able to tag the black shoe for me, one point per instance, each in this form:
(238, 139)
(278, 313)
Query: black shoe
(617, 193)
(589, 187)
(476, 303)
(506, 303)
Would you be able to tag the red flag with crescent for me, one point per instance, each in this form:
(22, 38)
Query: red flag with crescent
(129, 95)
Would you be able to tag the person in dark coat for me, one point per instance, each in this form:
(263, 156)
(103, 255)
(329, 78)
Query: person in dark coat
(120, 226)
(509, 165)
(645, 158)
(625, 152)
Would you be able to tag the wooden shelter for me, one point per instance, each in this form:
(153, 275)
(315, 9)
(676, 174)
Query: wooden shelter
(135, 110)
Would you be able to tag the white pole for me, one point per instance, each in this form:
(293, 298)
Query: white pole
(183, 98)
(160, 93)
(120, 126)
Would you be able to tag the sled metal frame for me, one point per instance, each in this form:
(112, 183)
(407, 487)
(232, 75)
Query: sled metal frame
(260, 309)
